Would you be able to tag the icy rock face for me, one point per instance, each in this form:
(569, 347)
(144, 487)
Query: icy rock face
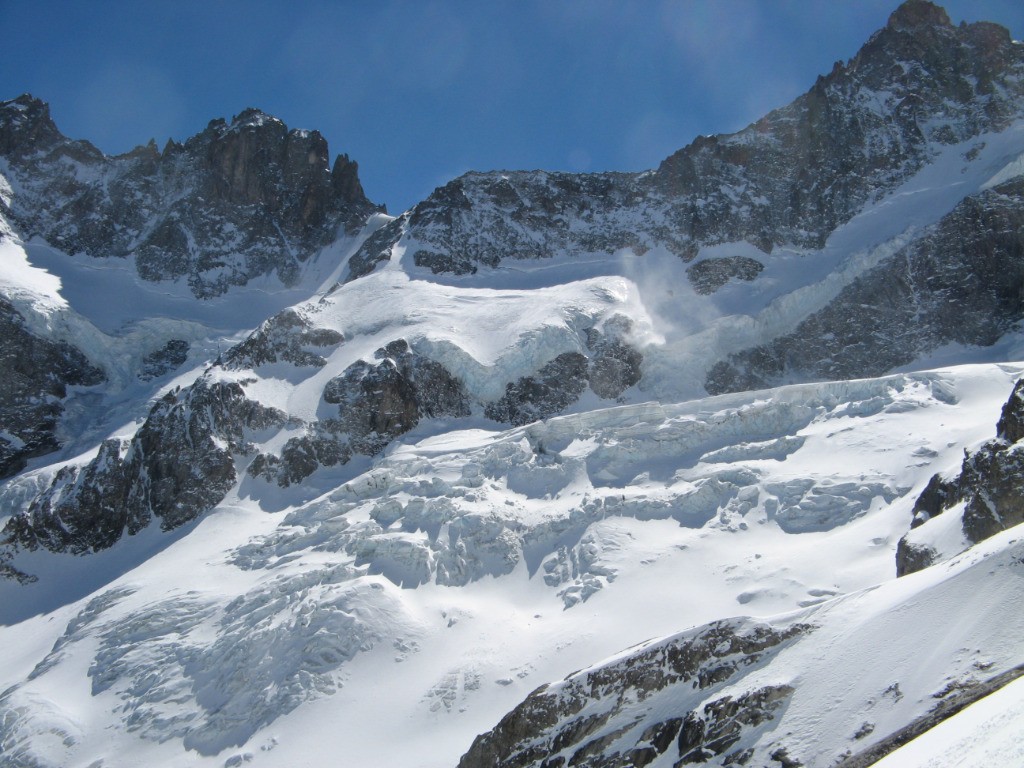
(613, 367)
(178, 465)
(381, 400)
(376, 403)
(961, 282)
(614, 715)
(709, 275)
(481, 218)
(238, 201)
(389, 398)
(790, 178)
(557, 385)
(35, 374)
(988, 493)
(286, 337)
(162, 361)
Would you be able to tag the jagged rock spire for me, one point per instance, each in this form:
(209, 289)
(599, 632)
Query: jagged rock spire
(913, 14)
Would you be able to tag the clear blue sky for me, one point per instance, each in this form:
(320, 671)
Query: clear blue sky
(419, 92)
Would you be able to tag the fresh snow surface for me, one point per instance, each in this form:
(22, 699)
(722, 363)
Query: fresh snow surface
(400, 613)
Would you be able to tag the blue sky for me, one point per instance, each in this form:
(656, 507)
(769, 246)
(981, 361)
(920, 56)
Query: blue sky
(419, 92)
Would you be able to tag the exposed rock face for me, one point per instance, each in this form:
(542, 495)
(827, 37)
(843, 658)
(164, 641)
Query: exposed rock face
(613, 367)
(376, 403)
(390, 397)
(164, 360)
(963, 282)
(1010, 426)
(555, 386)
(234, 202)
(992, 483)
(990, 486)
(790, 178)
(35, 374)
(286, 337)
(709, 275)
(178, 465)
(613, 716)
(911, 557)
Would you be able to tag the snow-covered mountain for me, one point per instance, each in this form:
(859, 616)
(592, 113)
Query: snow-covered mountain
(292, 481)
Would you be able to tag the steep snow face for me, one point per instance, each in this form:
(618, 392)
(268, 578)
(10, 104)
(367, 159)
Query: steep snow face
(515, 557)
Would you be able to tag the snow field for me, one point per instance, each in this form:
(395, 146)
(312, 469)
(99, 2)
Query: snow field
(468, 568)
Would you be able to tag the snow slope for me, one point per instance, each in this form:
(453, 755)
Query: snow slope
(387, 610)
(470, 564)
(466, 568)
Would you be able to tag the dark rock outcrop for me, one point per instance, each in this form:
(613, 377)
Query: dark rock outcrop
(376, 402)
(990, 485)
(177, 466)
(708, 275)
(614, 365)
(720, 724)
(614, 715)
(379, 401)
(963, 282)
(938, 495)
(161, 361)
(35, 374)
(557, 385)
(911, 558)
(286, 337)
(237, 201)
(1010, 426)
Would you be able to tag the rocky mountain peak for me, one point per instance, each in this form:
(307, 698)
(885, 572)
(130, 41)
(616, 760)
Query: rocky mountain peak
(920, 49)
(790, 179)
(26, 126)
(915, 14)
(255, 117)
(237, 201)
(256, 160)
